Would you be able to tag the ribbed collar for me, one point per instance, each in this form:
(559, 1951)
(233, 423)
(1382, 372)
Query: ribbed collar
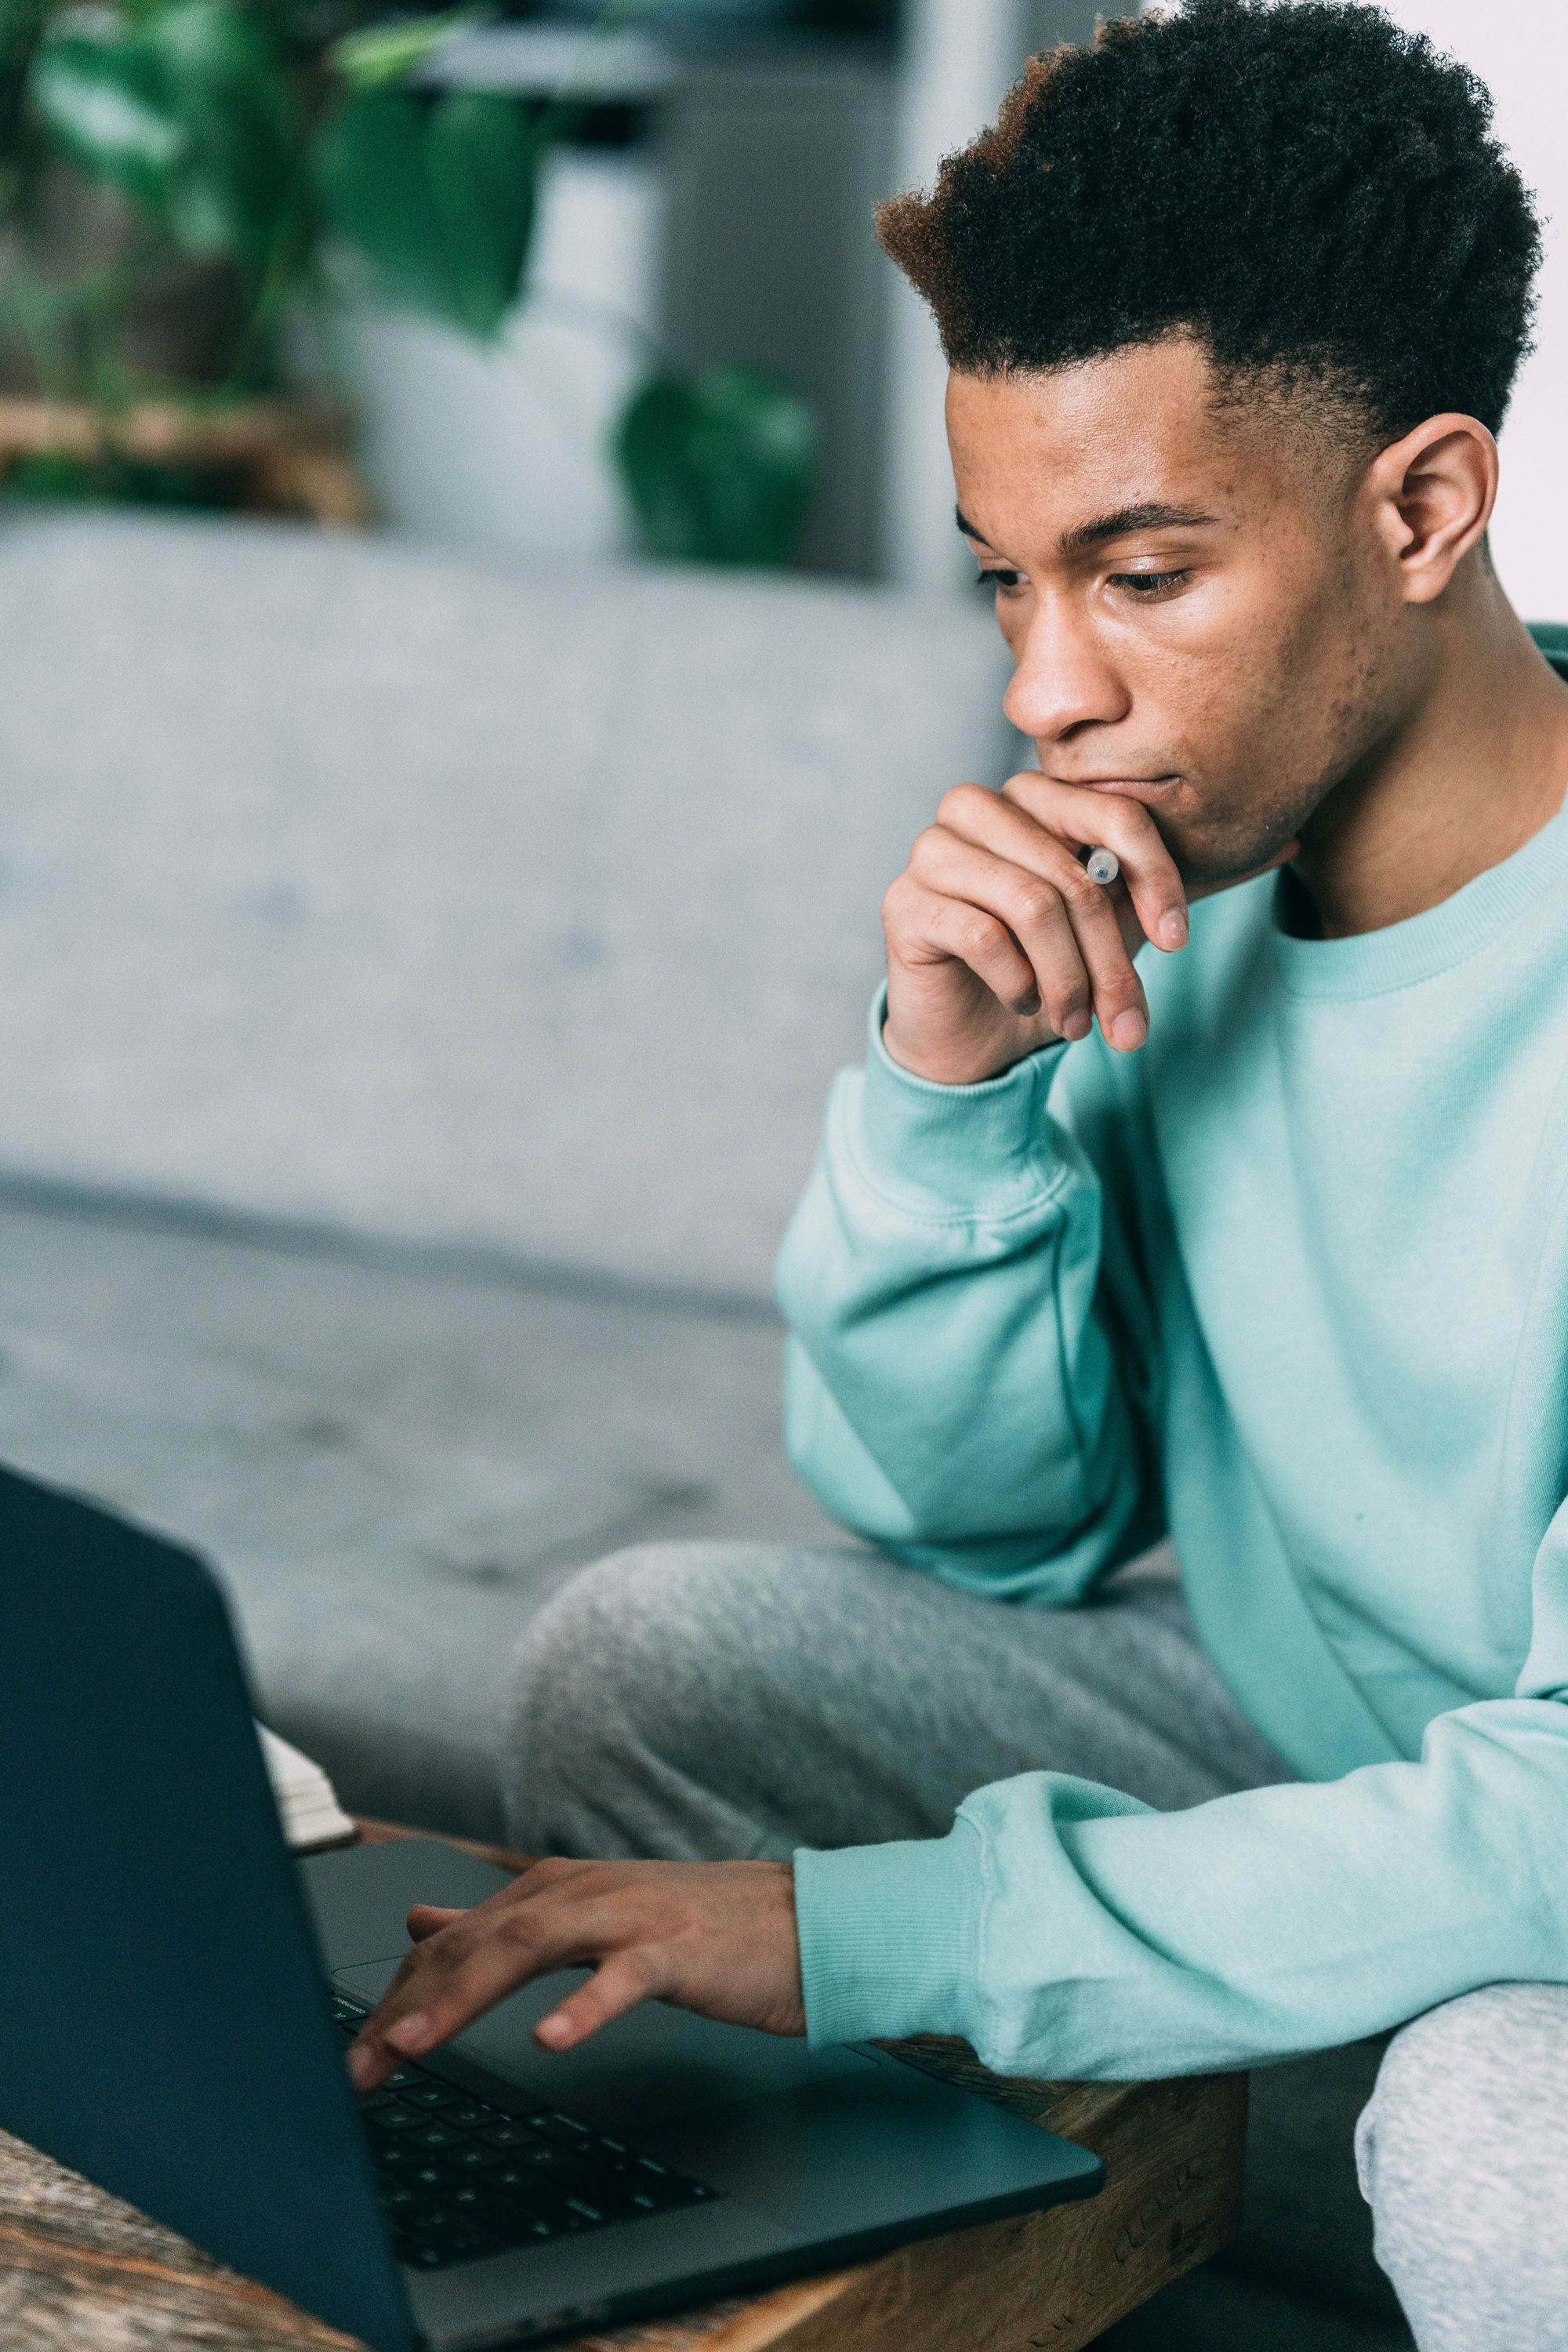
(1372, 963)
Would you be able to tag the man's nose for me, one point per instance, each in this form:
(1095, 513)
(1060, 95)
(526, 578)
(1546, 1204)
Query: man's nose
(1065, 678)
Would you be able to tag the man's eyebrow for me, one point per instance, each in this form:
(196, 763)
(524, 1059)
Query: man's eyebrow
(1151, 516)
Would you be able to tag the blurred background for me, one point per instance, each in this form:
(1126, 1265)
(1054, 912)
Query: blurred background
(481, 624)
(549, 280)
(558, 279)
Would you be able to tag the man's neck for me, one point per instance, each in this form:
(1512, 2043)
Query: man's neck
(1471, 773)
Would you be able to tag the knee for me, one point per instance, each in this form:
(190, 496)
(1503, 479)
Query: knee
(619, 1685)
(1463, 2156)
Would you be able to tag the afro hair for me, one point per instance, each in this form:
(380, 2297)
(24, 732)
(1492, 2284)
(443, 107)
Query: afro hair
(1313, 193)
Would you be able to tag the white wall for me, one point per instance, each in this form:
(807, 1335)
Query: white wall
(1520, 49)
(959, 59)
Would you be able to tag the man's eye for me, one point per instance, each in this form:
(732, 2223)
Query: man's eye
(994, 577)
(1147, 583)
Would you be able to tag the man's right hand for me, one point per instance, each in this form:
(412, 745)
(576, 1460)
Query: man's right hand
(998, 941)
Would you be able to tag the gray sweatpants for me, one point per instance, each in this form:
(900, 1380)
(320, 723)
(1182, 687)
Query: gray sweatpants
(703, 1700)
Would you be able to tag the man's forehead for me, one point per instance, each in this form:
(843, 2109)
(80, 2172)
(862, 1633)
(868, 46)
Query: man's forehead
(1137, 433)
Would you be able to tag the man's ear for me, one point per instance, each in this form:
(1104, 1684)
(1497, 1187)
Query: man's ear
(1433, 495)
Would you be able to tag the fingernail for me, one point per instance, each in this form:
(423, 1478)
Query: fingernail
(1127, 1031)
(1173, 929)
(1076, 1025)
(553, 2029)
(410, 2033)
(1027, 1005)
(360, 2065)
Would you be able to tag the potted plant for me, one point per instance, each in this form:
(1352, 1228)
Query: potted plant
(175, 178)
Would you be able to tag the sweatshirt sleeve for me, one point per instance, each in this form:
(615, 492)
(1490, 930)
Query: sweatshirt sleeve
(1068, 1930)
(958, 1386)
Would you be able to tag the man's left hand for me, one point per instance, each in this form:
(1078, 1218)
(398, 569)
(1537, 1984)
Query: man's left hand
(716, 1937)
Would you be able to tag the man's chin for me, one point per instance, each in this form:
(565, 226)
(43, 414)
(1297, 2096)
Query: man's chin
(1206, 861)
(1209, 874)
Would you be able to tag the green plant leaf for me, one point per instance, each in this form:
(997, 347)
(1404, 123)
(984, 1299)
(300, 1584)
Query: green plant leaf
(719, 468)
(191, 112)
(378, 55)
(21, 22)
(436, 196)
(373, 185)
(108, 108)
(481, 167)
(241, 180)
(207, 47)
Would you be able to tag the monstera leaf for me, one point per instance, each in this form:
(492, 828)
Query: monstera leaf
(107, 106)
(231, 92)
(436, 195)
(719, 468)
(188, 111)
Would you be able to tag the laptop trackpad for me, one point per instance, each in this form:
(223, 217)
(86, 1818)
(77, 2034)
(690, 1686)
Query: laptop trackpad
(659, 2061)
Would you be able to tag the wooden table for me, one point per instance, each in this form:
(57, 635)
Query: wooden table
(80, 2271)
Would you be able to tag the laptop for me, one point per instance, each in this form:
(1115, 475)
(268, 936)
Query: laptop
(176, 1992)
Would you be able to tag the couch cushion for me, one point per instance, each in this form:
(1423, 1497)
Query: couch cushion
(345, 881)
(390, 1466)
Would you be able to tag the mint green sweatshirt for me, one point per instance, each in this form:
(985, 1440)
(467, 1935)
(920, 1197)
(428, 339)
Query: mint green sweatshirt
(1292, 1283)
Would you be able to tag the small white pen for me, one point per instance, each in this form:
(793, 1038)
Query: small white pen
(1103, 866)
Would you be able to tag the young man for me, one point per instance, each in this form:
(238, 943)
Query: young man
(1262, 1240)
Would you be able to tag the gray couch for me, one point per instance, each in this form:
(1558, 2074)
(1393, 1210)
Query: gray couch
(420, 983)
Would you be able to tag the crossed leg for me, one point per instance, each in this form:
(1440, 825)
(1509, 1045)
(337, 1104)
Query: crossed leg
(698, 1700)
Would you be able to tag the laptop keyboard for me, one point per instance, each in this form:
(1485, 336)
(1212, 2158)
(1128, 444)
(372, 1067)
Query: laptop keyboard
(460, 2179)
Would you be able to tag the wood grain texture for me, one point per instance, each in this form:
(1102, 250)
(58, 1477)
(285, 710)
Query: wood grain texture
(1058, 2278)
(80, 2271)
(289, 456)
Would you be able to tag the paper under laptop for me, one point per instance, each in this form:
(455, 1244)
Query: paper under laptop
(307, 1805)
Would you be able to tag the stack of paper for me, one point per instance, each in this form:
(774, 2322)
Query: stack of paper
(310, 1813)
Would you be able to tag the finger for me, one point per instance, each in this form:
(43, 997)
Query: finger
(465, 1968)
(925, 926)
(1072, 813)
(1032, 908)
(440, 1936)
(425, 1918)
(1120, 1006)
(1094, 913)
(991, 821)
(369, 2063)
(620, 1984)
(409, 2017)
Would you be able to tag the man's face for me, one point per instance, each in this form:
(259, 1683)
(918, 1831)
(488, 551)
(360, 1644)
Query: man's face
(1200, 612)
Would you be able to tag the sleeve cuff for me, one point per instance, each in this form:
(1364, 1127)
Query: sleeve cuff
(890, 1937)
(941, 1138)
